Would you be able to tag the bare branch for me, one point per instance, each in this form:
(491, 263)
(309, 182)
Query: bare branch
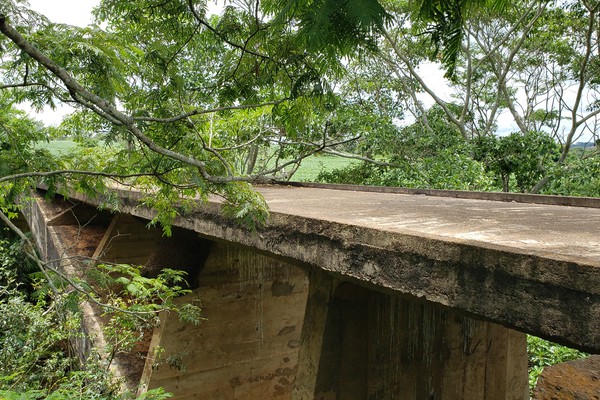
(505, 64)
(510, 34)
(28, 250)
(316, 149)
(581, 81)
(24, 84)
(357, 157)
(423, 85)
(243, 48)
(36, 174)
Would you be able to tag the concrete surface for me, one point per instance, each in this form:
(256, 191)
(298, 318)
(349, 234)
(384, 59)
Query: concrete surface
(362, 344)
(246, 348)
(560, 232)
(531, 267)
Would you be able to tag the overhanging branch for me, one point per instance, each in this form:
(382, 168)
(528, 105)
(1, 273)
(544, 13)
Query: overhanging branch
(208, 111)
(36, 174)
(102, 107)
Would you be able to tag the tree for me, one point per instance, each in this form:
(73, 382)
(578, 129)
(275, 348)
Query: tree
(437, 158)
(527, 158)
(158, 71)
(533, 62)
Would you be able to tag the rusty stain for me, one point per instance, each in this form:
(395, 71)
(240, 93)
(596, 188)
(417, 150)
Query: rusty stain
(570, 380)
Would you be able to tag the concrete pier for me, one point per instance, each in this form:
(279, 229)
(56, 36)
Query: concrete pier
(247, 346)
(367, 345)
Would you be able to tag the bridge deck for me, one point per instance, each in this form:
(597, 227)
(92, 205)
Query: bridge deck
(553, 231)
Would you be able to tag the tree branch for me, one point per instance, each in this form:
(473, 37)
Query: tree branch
(581, 81)
(361, 158)
(102, 107)
(208, 111)
(29, 250)
(424, 86)
(220, 36)
(72, 172)
(24, 84)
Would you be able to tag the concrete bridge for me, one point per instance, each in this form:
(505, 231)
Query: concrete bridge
(350, 294)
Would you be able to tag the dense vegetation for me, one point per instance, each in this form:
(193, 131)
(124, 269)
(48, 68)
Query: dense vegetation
(179, 102)
(40, 322)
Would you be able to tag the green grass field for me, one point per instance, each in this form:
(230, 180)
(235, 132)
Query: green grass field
(58, 147)
(311, 167)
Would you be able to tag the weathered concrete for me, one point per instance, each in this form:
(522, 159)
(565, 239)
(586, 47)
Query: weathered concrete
(247, 348)
(532, 267)
(362, 344)
(67, 235)
(572, 201)
(579, 380)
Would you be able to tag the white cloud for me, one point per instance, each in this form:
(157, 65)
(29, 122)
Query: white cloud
(433, 75)
(72, 12)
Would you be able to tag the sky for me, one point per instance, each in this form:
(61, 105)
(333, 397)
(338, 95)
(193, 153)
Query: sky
(72, 12)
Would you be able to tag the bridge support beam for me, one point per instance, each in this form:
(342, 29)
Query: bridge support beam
(361, 344)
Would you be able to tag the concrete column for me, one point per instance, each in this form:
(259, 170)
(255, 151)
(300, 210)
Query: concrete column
(247, 348)
(313, 357)
(423, 351)
(360, 344)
